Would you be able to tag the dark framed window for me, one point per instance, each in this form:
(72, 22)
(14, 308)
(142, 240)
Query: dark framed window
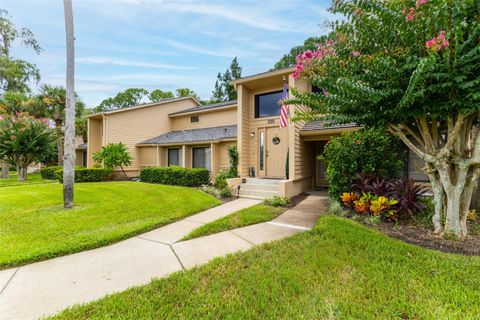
(175, 157)
(201, 157)
(266, 104)
(194, 118)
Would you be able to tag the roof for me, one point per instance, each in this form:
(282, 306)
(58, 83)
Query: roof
(82, 146)
(143, 105)
(324, 125)
(206, 107)
(194, 135)
(264, 74)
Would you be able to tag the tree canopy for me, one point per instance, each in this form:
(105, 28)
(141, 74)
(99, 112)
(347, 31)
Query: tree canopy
(224, 91)
(413, 68)
(289, 59)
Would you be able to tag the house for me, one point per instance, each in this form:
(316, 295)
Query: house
(184, 133)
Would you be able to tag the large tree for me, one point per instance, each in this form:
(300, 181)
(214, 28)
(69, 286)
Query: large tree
(24, 140)
(289, 59)
(127, 98)
(412, 67)
(224, 91)
(15, 73)
(157, 95)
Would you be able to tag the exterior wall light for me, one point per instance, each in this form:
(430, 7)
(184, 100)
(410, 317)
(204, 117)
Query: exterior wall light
(252, 134)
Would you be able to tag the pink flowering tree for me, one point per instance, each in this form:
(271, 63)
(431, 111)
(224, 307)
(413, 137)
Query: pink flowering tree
(25, 140)
(412, 67)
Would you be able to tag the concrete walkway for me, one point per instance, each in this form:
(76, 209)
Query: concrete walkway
(47, 287)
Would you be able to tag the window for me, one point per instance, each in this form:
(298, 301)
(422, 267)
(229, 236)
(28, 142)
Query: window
(201, 158)
(175, 157)
(262, 150)
(266, 105)
(194, 119)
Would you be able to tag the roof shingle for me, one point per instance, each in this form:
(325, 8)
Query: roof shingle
(194, 135)
(206, 107)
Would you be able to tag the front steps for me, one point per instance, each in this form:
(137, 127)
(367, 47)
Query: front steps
(255, 188)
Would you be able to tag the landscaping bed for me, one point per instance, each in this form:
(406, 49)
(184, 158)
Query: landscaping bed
(338, 270)
(34, 226)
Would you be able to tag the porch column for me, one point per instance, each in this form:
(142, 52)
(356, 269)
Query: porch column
(158, 156)
(184, 156)
(213, 154)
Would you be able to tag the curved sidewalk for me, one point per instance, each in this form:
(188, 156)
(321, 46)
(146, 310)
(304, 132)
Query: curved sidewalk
(47, 287)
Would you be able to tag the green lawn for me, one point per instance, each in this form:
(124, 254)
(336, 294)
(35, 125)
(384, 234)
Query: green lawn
(32, 178)
(245, 217)
(339, 270)
(34, 226)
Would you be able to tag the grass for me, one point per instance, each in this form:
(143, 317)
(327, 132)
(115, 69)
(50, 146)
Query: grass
(339, 270)
(245, 217)
(32, 178)
(34, 226)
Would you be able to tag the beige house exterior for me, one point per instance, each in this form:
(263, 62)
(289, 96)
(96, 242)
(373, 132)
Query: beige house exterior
(184, 133)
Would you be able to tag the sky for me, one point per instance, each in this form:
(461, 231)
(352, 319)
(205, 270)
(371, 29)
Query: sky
(163, 45)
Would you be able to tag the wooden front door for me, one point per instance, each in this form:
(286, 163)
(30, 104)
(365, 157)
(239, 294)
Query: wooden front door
(276, 152)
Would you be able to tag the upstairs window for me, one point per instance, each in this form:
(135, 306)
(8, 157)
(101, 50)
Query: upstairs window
(194, 119)
(266, 105)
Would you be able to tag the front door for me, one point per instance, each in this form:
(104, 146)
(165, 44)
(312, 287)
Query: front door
(276, 152)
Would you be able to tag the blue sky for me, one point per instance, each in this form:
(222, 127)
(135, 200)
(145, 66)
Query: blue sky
(163, 44)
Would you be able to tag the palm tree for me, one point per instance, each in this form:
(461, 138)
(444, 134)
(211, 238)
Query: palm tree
(52, 101)
(68, 168)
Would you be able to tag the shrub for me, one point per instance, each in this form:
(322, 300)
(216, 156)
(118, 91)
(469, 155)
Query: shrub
(86, 174)
(371, 151)
(221, 178)
(189, 177)
(337, 209)
(211, 190)
(409, 196)
(277, 201)
(226, 192)
(233, 157)
(114, 155)
(49, 172)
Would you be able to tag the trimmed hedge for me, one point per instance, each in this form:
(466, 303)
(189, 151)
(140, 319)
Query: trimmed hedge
(49, 172)
(86, 174)
(188, 177)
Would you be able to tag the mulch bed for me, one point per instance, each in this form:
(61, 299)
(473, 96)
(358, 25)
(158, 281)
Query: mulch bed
(297, 199)
(422, 236)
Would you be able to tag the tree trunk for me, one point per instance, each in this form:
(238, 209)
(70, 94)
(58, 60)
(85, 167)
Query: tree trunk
(5, 170)
(69, 164)
(22, 173)
(59, 133)
(126, 177)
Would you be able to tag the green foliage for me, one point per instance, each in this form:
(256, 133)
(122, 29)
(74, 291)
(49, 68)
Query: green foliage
(224, 91)
(158, 95)
(277, 201)
(233, 159)
(49, 172)
(287, 166)
(113, 155)
(127, 98)
(186, 92)
(189, 177)
(367, 151)
(337, 209)
(24, 140)
(86, 174)
(15, 74)
(221, 178)
(218, 193)
(288, 59)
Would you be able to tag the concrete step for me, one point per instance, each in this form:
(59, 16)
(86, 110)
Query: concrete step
(262, 181)
(266, 187)
(260, 194)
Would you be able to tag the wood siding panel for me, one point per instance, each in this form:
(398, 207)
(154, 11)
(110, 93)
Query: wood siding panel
(147, 156)
(206, 120)
(95, 138)
(132, 127)
(243, 127)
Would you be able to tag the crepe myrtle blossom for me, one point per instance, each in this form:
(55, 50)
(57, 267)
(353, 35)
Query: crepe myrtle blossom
(306, 62)
(410, 14)
(437, 43)
(420, 3)
(356, 54)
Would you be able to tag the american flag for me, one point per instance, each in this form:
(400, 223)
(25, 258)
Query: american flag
(284, 111)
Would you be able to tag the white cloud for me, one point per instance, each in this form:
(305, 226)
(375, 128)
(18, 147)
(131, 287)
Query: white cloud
(201, 50)
(129, 63)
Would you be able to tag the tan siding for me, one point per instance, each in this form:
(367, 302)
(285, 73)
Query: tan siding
(243, 127)
(147, 156)
(188, 157)
(206, 120)
(94, 139)
(222, 158)
(303, 162)
(163, 154)
(132, 127)
(79, 157)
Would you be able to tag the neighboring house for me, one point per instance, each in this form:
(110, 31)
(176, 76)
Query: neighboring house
(176, 131)
(80, 152)
(181, 132)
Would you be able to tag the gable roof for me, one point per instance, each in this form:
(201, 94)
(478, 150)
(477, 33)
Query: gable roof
(194, 135)
(261, 75)
(206, 107)
(325, 125)
(144, 105)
